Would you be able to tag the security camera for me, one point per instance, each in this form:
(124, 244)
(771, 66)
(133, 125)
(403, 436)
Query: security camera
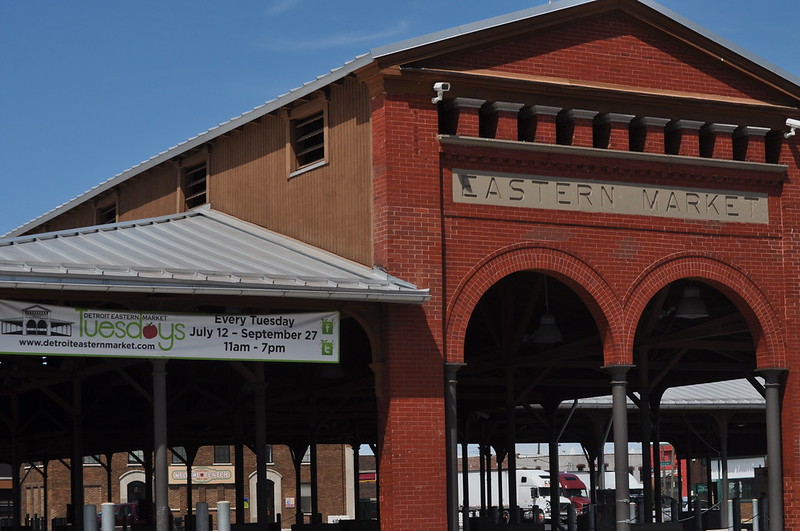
(440, 87)
(479, 415)
(794, 125)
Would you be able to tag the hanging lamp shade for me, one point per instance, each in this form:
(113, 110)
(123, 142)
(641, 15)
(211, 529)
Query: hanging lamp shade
(547, 333)
(691, 306)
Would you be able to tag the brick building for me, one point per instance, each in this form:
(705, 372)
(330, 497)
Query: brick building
(581, 199)
(213, 471)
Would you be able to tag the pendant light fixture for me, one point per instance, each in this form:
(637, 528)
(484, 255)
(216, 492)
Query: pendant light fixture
(547, 333)
(691, 306)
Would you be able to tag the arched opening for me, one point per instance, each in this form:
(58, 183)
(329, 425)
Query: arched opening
(532, 346)
(692, 333)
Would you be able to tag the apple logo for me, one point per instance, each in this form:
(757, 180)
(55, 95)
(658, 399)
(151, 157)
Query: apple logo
(149, 331)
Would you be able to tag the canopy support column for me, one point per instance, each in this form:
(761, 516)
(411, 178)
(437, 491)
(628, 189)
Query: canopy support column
(160, 444)
(619, 386)
(773, 380)
(76, 468)
(260, 412)
(451, 435)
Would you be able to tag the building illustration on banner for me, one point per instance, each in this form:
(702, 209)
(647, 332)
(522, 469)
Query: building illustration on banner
(36, 321)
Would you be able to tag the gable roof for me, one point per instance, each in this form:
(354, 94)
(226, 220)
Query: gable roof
(197, 252)
(412, 49)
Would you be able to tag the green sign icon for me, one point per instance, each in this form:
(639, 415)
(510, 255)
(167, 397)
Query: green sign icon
(327, 326)
(327, 348)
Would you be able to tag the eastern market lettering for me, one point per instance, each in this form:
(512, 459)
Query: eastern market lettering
(608, 197)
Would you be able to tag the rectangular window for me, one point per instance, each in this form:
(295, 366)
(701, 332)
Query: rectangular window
(306, 460)
(107, 214)
(222, 455)
(305, 498)
(136, 457)
(269, 454)
(179, 455)
(91, 460)
(308, 139)
(194, 186)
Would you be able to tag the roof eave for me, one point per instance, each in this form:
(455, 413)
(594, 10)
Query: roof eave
(60, 284)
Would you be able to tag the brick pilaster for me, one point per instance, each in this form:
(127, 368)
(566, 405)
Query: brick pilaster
(749, 143)
(539, 124)
(501, 120)
(683, 137)
(648, 134)
(467, 115)
(577, 126)
(615, 129)
(717, 140)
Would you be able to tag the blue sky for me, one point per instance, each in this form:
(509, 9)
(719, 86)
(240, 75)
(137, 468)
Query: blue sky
(91, 88)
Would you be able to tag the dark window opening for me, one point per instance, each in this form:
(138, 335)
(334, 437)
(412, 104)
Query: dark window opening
(194, 186)
(222, 454)
(308, 139)
(179, 455)
(305, 498)
(107, 214)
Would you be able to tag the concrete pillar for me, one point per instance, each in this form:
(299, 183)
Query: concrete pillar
(201, 521)
(106, 516)
(224, 516)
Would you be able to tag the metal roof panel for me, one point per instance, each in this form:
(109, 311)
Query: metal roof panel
(197, 251)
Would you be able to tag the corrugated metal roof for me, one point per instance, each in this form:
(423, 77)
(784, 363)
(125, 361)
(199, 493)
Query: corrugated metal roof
(730, 394)
(198, 252)
(363, 60)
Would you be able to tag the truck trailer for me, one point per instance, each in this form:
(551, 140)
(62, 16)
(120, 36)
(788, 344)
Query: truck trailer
(533, 494)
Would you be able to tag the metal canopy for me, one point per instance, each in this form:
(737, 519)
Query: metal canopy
(200, 252)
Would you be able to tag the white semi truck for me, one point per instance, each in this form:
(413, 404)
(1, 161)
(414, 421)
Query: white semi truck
(533, 493)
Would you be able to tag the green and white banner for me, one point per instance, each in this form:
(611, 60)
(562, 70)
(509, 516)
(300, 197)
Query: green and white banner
(45, 330)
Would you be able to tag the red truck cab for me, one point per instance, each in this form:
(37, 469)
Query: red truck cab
(573, 488)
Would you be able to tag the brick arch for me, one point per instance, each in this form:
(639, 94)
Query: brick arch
(589, 285)
(734, 283)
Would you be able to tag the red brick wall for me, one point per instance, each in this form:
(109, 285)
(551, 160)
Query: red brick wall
(617, 49)
(616, 263)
